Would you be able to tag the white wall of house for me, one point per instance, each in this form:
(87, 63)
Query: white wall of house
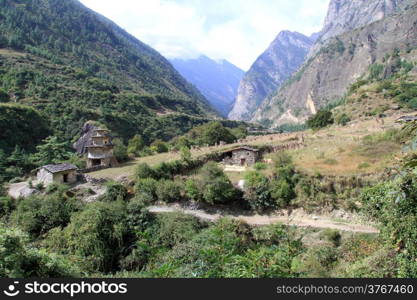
(47, 177)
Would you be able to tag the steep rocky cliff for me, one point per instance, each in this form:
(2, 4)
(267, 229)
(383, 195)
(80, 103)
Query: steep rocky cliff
(285, 54)
(346, 15)
(327, 75)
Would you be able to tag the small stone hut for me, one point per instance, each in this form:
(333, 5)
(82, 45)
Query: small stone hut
(60, 173)
(241, 156)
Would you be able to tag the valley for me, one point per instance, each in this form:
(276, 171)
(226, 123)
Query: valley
(119, 162)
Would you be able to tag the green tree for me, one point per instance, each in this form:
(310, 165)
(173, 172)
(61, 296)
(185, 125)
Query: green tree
(135, 145)
(51, 151)
(96, 236)
(322, 119)
(185, 155)
(120, 150)
(4, 96)
(168, 191)
(215, 132)
(159, 146)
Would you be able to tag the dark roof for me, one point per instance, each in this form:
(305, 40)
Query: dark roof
(243, 148)
(59, 168)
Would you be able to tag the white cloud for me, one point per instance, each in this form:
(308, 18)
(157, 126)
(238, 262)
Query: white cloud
(236, 30)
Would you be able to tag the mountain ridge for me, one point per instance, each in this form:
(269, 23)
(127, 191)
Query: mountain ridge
(345, 59)
(283, 56)
(217, 80)
(64, 59)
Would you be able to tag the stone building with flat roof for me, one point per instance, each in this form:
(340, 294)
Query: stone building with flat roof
(241, 156)
(59, 173)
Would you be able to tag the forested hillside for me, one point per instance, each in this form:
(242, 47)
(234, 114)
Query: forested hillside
(74, 65)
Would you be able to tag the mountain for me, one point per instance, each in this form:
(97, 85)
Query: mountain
(374, 50)
(285, 54)
(75, 65)
(346, 15)
(217, 80)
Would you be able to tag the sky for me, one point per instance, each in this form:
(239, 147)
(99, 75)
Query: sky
(235, 30)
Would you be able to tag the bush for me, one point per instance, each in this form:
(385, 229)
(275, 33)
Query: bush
(96, 236)
(7, 205)
(215, 186)
(143, 170)
(120, 150)
(392, 203)
(192, 190)
(259, 166)
(135, 145)
(147, 186)
(258, 192)
(168, 191)
(159, 146)
(342, 119)
(38, 214)
(332, 235)
(115, 192)
(19, 259)
(176, 228)
(4, 96)
(322, 119)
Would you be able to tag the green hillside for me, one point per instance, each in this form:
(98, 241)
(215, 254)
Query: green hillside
(74, 65)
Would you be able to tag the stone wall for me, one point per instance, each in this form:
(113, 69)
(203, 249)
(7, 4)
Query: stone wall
(45, 176)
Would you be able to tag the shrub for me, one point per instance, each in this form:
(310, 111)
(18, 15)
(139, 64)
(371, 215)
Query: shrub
(192, 190)
(342, 119)
(332, 236)
(215, 186)
(96, 236)
(19, 259)
(257, 191)
(159, 146)
(135, 145)
(168, 191)
(38, 214)
(176, 228)
(322, 119)
(4, 96)
(259, 166)
(7, 205)
(115, 192)
(147, 186)
(282, 192)
(375, 71)
(143, 170)
(120, 150)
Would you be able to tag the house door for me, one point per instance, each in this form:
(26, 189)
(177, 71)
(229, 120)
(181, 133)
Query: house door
(243, 161)
(96, 162)
(65, 178)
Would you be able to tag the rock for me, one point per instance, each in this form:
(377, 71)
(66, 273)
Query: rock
(21, 190)
(328, 74)
(285, 54)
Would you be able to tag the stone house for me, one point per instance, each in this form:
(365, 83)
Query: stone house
(100, 149)
(60, 173)
(241, 156)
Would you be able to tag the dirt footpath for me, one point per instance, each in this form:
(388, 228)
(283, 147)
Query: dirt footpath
(315, 221)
